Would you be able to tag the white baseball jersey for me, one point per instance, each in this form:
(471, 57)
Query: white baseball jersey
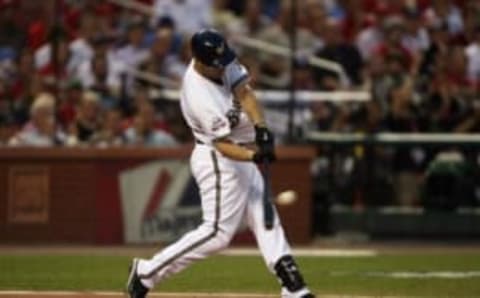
(231, 191)
(210, 108)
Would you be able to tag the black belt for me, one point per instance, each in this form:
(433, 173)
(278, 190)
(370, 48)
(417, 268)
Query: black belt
(240, 144)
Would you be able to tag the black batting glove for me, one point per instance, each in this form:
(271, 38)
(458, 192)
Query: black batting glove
(263, 137)
(265, 142)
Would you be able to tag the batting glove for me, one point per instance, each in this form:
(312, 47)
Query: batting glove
(264, 137)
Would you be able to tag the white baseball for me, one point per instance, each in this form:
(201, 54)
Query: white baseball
(287, 197)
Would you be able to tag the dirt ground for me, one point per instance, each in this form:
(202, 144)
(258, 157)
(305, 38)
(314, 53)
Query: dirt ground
(155, 295)
(394, 247)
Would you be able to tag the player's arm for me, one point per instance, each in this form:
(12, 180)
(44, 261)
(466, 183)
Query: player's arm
(247, 99)
(264, 138)
(237, 75)
(234, 151)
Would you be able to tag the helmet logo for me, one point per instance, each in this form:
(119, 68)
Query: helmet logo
(219, 50)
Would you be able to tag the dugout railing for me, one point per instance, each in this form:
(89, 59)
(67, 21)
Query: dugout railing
(365, 198)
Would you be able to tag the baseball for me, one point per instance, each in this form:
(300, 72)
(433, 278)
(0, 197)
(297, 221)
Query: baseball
(287, 197)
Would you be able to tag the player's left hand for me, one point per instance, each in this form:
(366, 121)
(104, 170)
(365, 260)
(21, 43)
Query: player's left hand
(265, 141)
(263, 137)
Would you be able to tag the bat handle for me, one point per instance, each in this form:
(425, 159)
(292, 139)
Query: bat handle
(267, 205)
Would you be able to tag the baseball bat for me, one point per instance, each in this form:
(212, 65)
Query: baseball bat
(267, 204)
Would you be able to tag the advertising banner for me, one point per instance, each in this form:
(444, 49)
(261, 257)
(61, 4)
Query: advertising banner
(160, 201)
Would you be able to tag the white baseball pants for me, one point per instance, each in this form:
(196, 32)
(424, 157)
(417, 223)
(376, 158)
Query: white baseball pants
(231, 193)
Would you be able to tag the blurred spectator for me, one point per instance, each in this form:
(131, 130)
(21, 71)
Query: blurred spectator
(82, 48)
(134, 51)
(275, 68)
(415, 38)
(392, 44)
(471, 13)
(335, 10)
(22, 85)
(68, 102)
(143, 131)
(253, 21)
(457, 72)
(444, 104)
(372, 35)
(184, 55)
(12, 35)
(317, 17)
(56, 73)
(403, 117)
(160, 61)
(37, 16)
(400, 97)
(188, 15)
(87, 120)
(445, 11)
(353, 19)
(41, 130)
(470, 123)
(336, 49)
(303, 78)
(438, 48)
(222, 18)
(6, 116)
(103, 75)
(111, 133)
(473, 54)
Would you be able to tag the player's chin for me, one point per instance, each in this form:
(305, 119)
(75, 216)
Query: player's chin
(216, 71)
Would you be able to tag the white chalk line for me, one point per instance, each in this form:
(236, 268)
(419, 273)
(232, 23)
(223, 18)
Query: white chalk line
(428, 274)
(411, 274)
(18, 294)
(307, 252)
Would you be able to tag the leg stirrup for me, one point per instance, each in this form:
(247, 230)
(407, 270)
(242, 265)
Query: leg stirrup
(288, 273)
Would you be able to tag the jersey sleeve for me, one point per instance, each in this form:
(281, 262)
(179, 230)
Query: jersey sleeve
(235, 74)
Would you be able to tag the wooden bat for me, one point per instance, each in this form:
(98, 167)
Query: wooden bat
(268, 214)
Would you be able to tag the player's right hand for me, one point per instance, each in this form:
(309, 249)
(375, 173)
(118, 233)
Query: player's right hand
(260, 156)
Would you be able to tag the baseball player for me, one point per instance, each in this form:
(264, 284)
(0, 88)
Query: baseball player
(225, 117)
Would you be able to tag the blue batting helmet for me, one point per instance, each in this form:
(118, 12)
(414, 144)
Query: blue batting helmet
(210, 48)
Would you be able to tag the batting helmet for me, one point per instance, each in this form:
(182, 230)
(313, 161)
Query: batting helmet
(211, 48)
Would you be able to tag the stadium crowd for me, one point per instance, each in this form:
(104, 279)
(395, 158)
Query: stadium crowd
(65, 65)
(71, 70)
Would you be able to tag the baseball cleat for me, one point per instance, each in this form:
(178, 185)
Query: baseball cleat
(135, 288)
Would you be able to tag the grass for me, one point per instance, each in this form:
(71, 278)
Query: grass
(332, 275)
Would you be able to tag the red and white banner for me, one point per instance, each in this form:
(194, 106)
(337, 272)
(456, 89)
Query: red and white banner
(159, 202)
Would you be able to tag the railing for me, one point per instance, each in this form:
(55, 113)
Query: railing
(394, 139)
(433, 170)
(276, 96)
